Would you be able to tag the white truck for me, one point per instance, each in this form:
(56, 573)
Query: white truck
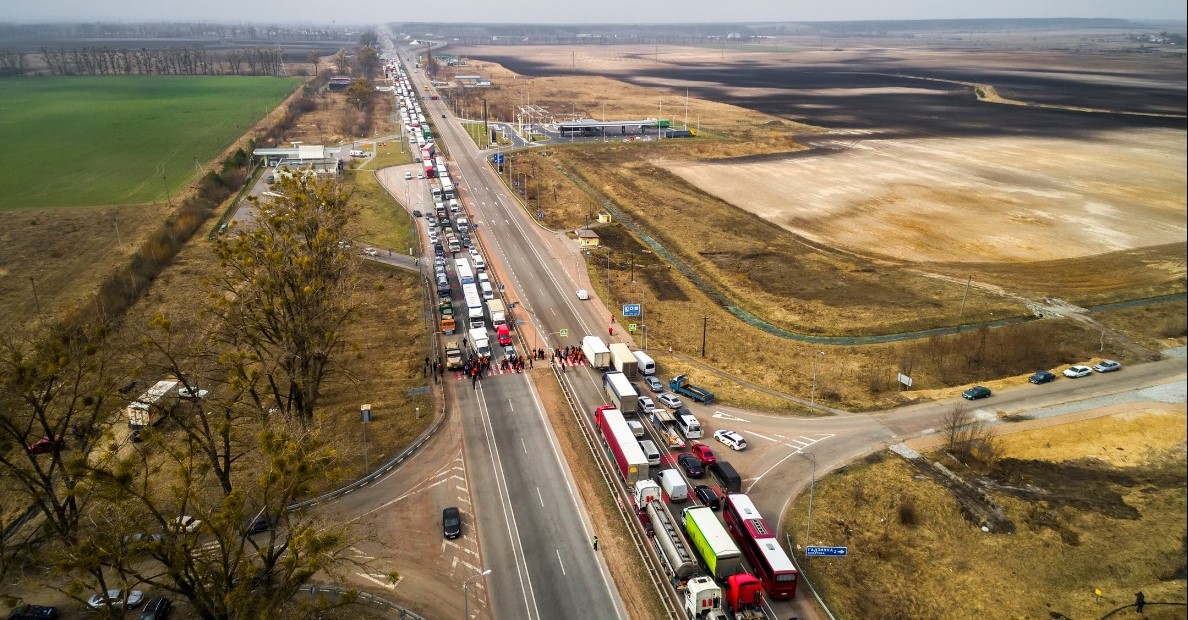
(703, 599)
(623, 360)
(497, 312)
(620, 391)
(597, 355)
(478, 342)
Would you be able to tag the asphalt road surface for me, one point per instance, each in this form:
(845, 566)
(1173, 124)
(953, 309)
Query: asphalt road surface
(533, 531)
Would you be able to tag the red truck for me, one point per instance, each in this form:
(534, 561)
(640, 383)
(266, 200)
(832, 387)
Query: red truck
(621, 445)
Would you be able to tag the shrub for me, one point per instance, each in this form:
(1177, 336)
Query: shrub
(907, 512)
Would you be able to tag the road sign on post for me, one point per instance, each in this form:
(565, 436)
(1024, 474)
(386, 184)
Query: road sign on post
(563, 333)
(630, 309)
(815, 551)
(631, 327)
(365, 413)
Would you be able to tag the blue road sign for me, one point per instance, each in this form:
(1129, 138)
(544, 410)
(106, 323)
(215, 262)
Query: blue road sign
(497, 158)
(826, 551)
(630, 309)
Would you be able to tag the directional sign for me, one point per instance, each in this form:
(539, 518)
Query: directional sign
(826, 551)
(497, 158)
(630, 309)
(631, 327)
(563, 333)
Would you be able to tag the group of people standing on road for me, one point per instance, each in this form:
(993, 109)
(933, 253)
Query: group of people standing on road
(573, 355)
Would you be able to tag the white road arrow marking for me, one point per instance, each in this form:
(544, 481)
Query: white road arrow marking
(727, 416)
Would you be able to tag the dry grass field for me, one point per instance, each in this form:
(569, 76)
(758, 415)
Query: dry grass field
(878, 225)
(1110, 516)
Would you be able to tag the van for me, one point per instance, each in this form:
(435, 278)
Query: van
(503, 333)
(443, 283)
(644, 363)
(488, 292)
(479, 265)
(689, 426)
(674, 486)
(727, 478)
(637, 428)
(482, 277)
(651, 451)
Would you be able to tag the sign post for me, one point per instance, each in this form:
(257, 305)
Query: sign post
(365, 418)
(631, 310)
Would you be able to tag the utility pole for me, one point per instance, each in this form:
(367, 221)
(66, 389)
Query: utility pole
(36, 301)
(704, 324)
(813, 393)
(961, 312)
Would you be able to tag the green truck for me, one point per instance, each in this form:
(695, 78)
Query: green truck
(712, 543)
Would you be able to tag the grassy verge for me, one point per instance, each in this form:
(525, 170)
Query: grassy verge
(615, 543)
(121, 140)
(477, 134)
(1110, 515)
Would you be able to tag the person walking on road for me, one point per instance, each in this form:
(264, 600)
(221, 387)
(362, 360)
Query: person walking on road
(596, 543)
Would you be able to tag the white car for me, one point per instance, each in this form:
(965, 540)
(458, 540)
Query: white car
(186, 523)
(583, 294)
(669, 400)
(731, 438)
(184, 392)
(645, 404)
(371, 252)
(115, 598)
(407, 176)
(358, 153)
(1072, 372)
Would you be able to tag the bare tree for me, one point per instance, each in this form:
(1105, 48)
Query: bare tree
(969, 437)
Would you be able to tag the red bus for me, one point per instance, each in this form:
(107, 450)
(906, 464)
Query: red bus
(758, 542)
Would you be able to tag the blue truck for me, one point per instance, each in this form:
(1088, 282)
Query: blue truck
(680, 385)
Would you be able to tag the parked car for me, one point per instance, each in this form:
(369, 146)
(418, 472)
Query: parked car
(115, 598)
(417, 213)
(731, 438)
(669, 400)
(1042, 376)
(156, 609)
(654, 384)
(33, 612)
(186, 523)
(691, 465)
(707, 496)
(260, 523)
(583, 294)
(1107, 366)
(451, 522)
(976, 392)
(1073, 372)
(45, 445)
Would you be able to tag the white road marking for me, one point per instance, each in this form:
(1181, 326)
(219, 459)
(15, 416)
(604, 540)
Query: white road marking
(378, 582)
(511, 406)
(539, 496)
(523, 446)
(727, 416)
(761, 436)
(561, 563)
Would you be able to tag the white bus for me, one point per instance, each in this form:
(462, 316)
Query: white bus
(474, 305)
(462, 270)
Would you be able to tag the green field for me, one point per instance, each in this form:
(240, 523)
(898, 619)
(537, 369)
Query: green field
(75, 141)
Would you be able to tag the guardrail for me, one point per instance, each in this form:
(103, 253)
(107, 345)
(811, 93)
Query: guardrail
(363, 597)
(646, 551)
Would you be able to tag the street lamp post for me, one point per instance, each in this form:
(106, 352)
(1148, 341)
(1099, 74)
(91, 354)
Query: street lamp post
(812, 483)
(466, 597)
(813, 393)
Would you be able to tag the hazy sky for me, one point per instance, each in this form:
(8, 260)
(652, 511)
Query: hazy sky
(551, 11)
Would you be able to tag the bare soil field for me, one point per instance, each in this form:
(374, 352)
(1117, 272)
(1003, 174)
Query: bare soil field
(1097, 504)
(993, 199)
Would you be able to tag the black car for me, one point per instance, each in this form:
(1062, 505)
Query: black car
(976, 392)
(691, 465)
(1041, 376)
(261, 523)
(451, 522)
(707, 496)
(33, 612)
(157, 609)
(416, 213)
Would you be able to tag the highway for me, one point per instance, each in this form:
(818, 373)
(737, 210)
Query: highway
(533, 530)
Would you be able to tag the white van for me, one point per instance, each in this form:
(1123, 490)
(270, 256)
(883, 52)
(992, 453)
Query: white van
(636, 427)
(674, 486)
(651, 451)
(483, 277)
(644, 363)
(479, 265)
(489, 294)
(689, 426)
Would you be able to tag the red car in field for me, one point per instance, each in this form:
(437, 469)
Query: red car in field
(45, 445)
(703, 453)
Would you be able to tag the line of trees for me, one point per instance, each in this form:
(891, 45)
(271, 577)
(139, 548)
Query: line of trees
(157, 61)
(172, 30)
(108, 511)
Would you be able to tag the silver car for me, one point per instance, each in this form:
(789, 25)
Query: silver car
(115, 598)
(669, 400)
